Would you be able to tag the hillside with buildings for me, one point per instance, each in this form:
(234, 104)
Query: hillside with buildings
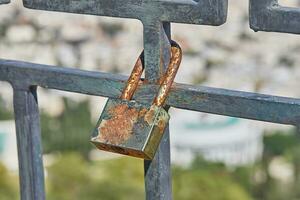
(231, 56)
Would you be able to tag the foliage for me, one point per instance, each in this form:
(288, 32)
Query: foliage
(243, 175)
(5, 114)
(71, 177)
(287, 146)
(8, 185)
(206, 180)
(71, 131)
(277, 143)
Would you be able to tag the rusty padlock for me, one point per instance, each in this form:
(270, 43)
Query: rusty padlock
(132, 128)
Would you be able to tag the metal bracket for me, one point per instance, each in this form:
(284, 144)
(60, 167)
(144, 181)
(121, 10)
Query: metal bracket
(205, 12)
(268, 15)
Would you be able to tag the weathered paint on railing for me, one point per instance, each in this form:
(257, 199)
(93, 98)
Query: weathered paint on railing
(205, 12)
(268, 15)
(31, 169)
(248, 105)
(4, 1)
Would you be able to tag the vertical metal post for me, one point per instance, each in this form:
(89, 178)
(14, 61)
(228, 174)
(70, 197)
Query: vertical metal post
(157, 56)
(29, 144)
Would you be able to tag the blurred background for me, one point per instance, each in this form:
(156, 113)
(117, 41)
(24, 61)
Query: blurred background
(213, 157)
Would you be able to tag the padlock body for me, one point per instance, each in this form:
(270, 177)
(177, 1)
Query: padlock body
(130, 128)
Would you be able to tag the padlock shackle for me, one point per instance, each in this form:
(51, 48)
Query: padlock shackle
(169, 76)
(166, 83)
(134, 78)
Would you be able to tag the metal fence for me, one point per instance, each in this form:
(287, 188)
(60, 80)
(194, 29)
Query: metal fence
(156, 15)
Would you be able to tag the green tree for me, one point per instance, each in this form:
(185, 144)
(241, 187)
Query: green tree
(8, 185)
(202, 185)
(278, 142)
(5, 113)
(72, 177)
(71, 131)
(285, 145)
(206, 180)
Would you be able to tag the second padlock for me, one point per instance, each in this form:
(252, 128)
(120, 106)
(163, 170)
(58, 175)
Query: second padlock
(132, 128)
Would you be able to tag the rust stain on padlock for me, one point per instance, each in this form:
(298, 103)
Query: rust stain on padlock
(118, 129)
(134, 79)
(169, 76)
(149, 116)
(143, 112)
(161, 125)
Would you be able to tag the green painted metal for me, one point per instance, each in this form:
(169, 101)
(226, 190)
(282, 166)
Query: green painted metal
(269, 15)
(205, 12)
(156, 15)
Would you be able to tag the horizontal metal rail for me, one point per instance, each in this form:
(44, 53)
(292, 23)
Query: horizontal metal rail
(205, 12)
(4, 1)
(248, 105)
(268, 15)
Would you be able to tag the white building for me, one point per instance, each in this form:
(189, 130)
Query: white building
(217, 138)
(8, 145)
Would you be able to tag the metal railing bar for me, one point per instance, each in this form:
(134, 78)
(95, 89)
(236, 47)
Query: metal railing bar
(268, 15)
(247, 105)
(157, 172)
(205, 12)
(4, 1)
(31, 171)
